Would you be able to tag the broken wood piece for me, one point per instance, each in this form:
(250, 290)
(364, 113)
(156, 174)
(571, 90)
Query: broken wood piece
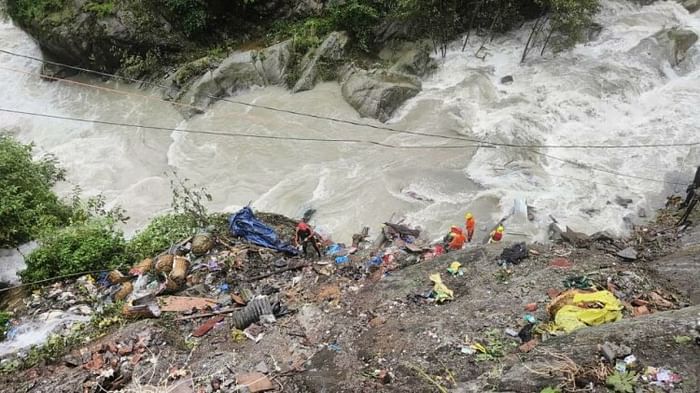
(210, 314)
(255, 382)
(184, 303)
(403, 229)
(207, 326)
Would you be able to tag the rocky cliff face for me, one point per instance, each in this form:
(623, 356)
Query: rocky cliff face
(107, 39)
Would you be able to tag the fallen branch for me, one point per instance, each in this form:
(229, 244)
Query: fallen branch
(427, 377)
(209, 314)
(293, 267)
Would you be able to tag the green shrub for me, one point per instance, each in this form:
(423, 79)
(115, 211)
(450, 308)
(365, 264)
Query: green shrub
(27, 203)
(101, 9)
(28, 11)
(5, 318)
(192, 14)
(161, 233)
(358, 18)
(79, 247)
(569, 19)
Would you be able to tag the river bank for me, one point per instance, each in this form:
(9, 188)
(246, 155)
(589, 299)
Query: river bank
(357, 326)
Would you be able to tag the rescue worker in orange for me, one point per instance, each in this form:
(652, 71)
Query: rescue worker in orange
(497, 234)
(303, 235)
(470, 225)
(455, 239)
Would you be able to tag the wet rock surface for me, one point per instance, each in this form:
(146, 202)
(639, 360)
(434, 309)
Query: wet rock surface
(377, 93)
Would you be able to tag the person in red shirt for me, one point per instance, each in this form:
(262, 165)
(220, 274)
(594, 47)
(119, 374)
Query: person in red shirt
(497, 234)
(455, 239)
(304, 234)
(470, 225)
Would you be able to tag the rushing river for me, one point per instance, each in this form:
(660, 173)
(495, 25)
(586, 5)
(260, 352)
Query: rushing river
(601, 93)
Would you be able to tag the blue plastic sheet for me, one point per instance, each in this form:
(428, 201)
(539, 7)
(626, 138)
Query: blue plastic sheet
(244, 224)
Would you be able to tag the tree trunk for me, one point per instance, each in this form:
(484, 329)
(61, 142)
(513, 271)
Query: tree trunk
(471, 23)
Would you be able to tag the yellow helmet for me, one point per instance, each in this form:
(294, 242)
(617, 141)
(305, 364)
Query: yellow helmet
(468, 216)
(500, 229)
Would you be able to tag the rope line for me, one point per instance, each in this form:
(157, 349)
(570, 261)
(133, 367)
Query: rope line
(356, 123)
(228, 134)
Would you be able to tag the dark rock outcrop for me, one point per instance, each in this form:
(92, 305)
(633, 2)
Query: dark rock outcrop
(328, 54)
(78, 36)
(668, 45)
(377, 93)
(411, 58)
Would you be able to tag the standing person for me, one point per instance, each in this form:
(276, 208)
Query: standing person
(455, 239)
(497, 234)
(470, 225)
(304, 234)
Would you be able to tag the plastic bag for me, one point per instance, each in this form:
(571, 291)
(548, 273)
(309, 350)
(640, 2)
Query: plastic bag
(571, 313)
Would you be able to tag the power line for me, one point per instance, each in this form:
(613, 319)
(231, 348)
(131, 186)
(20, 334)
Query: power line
(485, 143)
(228, 134)
(222, 98)
(351, 122)
(604, 170)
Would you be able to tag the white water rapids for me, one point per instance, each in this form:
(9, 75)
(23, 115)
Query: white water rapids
(597, 93)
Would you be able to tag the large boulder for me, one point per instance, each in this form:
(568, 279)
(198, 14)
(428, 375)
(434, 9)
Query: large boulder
(235, 73)
(668, 45)
(239, 71)
(410, 58)
(691, 5)
(329, 53)
(78, 35)
(272, 62)
(377, 93)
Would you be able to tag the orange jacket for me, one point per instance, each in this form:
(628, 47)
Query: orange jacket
(471, 224)
(458, 239)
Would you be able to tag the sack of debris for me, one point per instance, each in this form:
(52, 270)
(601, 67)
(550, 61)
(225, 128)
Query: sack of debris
(515, 253)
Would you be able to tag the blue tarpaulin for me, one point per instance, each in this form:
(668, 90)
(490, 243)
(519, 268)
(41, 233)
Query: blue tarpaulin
(245, 225)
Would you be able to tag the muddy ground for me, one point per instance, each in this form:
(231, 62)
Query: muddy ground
(366, 335)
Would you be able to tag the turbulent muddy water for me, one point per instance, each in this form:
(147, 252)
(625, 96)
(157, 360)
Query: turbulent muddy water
(601, 93)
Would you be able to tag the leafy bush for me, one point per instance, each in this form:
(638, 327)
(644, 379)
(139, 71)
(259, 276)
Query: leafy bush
(27, 204)
(101, 9)
(82, 246)
(358, 18)
(161, 233)
(5, 318)
(192, 14)
(569, 19)
(27, 11)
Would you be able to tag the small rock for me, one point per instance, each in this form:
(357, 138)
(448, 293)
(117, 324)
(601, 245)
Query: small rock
(531, 307)
(642, 213)
(613, 351)
(624, 202)
(377, 321)
(202, 243)
(262, 368)
(507, 80)
(628, 253)
(216, 384)
(528, 346)
(511, 332)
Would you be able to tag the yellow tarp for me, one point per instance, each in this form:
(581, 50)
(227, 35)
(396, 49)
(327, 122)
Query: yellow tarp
(442, 292)
(573, 315)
